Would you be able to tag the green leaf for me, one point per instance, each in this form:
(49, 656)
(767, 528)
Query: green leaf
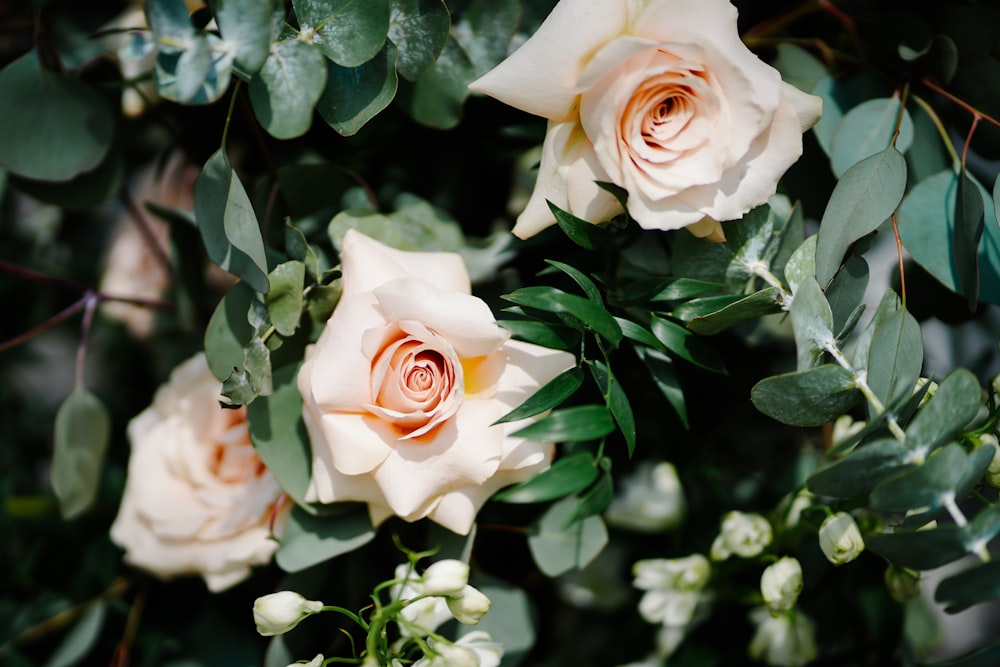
(585, 234)
(55, 127)
(246, 25)
(323, 299)
(555, 391)
(285, 92)
(228, 331)
(922, 549)
(661, 369)
(723, 311)
(197, 74)
(686, 344)
(308, 540)
(863, 199)
(671, 289)
(939, 57)
(554, 336)
(279, 435)
(979, 583)
(228, 223)
(169, 18)
(509, 622)
(927, 228)
(82, 433)
(946, 413)
(867, 130)
(617, 401)
(801, 264)
(576, 424)
(812, 321)
(996, 199)
(566, 476)
(806, 398)
(895, 357)
(284, 301)
(419, 29)
(859, 472)
(81, 639)
(597, 498)
(969, 223)
(350, 32)
(846, 292)
(298, 248)
(925, 486)
(84, 190)
(354, 95)
(558, 548)
(638, 333)
(585, 283)
(888, 305)
(551, 300)
(901, 411)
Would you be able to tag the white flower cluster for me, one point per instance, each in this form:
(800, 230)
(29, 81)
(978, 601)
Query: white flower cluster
(674, 591)
(652, 499)
(741, 534)
(785, 636)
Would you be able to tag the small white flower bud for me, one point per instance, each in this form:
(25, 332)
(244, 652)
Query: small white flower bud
(745, 535)
(279, 612)
(993, 472)
(470, 606)
(781, 583)
(840, 539)
(445, 577)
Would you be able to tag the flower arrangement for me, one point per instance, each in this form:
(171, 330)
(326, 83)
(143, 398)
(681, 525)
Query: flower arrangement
(499, 332)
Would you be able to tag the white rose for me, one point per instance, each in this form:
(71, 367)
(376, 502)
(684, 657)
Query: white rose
(198, 499)
(402, 388)
(840, 539)
(743, 534)
(277, 613)
(660, 97)
(781, 583)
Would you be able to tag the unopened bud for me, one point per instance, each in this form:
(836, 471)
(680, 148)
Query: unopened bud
(781, 583)
(470, 606)
(279, 612)
(840, 539)
(445, 577)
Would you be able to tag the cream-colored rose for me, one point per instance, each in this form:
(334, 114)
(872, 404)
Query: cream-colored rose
(659, 97)
(402, 388)
(198, 499)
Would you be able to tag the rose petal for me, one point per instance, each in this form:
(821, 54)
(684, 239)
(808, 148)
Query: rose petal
(529, 367)
(808, 108)
(565, 42)
(366, 264)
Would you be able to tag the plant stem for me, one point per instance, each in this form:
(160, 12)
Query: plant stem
(861, 382)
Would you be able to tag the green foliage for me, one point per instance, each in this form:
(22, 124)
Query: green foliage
(287, 88)
(311, 539)
(559, 545)
(348, 32)
(806, 398)
(82, 432)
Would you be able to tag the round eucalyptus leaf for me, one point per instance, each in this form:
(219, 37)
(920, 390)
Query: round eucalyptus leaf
(55, 126)
(285, 91)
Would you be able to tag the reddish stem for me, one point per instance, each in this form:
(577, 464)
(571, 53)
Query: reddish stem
(899, 252)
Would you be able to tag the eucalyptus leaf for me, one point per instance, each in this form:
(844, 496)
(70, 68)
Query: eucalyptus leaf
(82, 433)
(576, 424)
(348, 32)
(568, 475)
(969, 210)
(846, 291)
(354, 95)
(559, 548)
(286, 89)
(922, 549)
(887, 306)
(764, 302)
(895, 357)
(925, 486)
(952, 407)
(56, 127)
(812, 322)
(246, 25)
(169, 18)
(228, 331)
(297, 247)
(308, 540)
(284, 301)
(980, 583)
(228, 223)
(863, 199)
(197, 73)
(801, 264)
(867, 130)
(806, 398)
(859, 472)
(419, 29)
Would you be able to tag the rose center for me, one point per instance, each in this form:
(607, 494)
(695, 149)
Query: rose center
(234, 460)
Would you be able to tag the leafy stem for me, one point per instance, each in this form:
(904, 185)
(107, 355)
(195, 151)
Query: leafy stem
(861, 382)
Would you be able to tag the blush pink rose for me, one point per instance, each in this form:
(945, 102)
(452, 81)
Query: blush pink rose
(402, 388)
(198, 499)
(660, 97)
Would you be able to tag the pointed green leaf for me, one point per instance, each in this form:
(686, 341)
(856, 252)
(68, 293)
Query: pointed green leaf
(308, 540)
(419, 29)
(969, 210)
(585, 283)
(863, 199)
(82, 432)
(946, 413)
(734, 309)
(584, 233)
(859, 472)
(661, 368)
(82, 638)
(555, 391)
(638, 333)
(552, 300)
(895, 357)
(686, 344)
(284, 301)
(348, 32)
(228, 223)
(618, 403)
(354, 95)
(866, 130)
(595, 499)
(568, 475)
(287, 88)
(558, 548)
(576, 424)
(555, 336)
(806, 398)
(55, 127)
